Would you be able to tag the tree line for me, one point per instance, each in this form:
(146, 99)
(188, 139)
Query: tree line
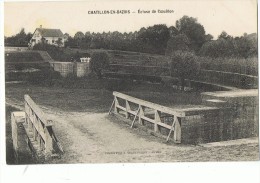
(187, 35)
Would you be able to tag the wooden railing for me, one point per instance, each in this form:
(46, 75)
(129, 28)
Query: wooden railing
(39, 128)
(158, 115)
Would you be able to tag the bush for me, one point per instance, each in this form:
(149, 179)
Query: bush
(184, 65)
(55, 52)
(99, 62)
(44, 77)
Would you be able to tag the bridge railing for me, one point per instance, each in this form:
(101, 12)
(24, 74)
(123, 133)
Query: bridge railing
(38, 127)
(158, 115)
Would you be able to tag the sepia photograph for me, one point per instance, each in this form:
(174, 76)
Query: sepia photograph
(130, 82)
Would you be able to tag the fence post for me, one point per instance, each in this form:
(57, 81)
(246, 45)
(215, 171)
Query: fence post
(177, 130)
(127, 108)
(141, 114)
(156, 120)
(116, 104)
(48, 142)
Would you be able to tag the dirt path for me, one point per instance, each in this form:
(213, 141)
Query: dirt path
(99, 138)
(94, 138)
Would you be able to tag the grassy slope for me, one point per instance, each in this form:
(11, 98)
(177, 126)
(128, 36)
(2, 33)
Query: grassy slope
(22, 57)
(94, 98)
(220, 64)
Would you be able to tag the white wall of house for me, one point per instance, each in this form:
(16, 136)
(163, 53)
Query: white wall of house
(52, 40)
(37, 38)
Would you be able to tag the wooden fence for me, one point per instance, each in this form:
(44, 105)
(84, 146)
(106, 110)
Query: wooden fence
(158, 115)
(39, 129)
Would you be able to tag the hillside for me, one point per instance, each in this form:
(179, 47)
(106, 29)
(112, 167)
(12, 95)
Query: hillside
(27, 56)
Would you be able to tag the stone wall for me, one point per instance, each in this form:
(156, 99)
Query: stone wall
(235, 117)
(71, 68)
(229, 79)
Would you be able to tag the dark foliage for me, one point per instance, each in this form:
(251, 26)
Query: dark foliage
(184, 65)
(99, 62)
(20, 39)
(227, 46)
(55, 52)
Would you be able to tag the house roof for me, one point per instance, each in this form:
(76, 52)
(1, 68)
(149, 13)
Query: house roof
(50, 32)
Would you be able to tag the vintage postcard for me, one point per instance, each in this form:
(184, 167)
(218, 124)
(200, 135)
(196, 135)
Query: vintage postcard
(131, 81)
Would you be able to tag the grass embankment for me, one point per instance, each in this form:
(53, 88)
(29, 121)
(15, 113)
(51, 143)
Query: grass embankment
(248, 66)
(22, 57)
(96, 95)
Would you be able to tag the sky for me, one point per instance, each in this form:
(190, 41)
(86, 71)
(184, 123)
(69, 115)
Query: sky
(233, 16)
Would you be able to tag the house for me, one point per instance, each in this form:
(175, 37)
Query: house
(49, 36)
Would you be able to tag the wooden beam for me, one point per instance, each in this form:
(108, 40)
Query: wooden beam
(135, 117)
(37, 127)
(172, 128)
(121, 107)
(157, 120)
(150, 104)
(111, 107)
(116, 105)
(48, 141)
(127, 108)
(141, 113)
(37, 110)
(177, 131)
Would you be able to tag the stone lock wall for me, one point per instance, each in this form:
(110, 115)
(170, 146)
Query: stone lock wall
(66, 68)
(235, 117)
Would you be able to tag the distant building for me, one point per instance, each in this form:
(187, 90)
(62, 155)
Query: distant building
(85, 59)
(49, 36)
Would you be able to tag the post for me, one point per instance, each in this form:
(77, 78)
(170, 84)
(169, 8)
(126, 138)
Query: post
(48, 142)
(17, 118)
(156, 119)
(141, 114)
(127, 107)
(116, 104)
(177, 130)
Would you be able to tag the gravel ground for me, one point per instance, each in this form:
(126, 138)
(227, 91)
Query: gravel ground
(100, 138)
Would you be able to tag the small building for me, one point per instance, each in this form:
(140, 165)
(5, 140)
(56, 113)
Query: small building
(85, 59)
(78, 69)
(49, 36)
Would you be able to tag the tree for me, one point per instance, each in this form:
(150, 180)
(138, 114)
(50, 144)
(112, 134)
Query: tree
(225, 36)
(173, 31)
(246, 45)
(184, 65)
(178, 42)
(155, 37)
(59, 42)
(20, 39)
(99, 62)
(78, 37)
(193, 30)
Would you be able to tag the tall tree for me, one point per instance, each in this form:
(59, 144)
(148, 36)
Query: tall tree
(193, 30)
(79, 35)
(179, 42)
(156, 37)
(184, 65)
(99, 62)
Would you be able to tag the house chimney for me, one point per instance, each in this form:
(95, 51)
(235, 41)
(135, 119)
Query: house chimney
(40, 26)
